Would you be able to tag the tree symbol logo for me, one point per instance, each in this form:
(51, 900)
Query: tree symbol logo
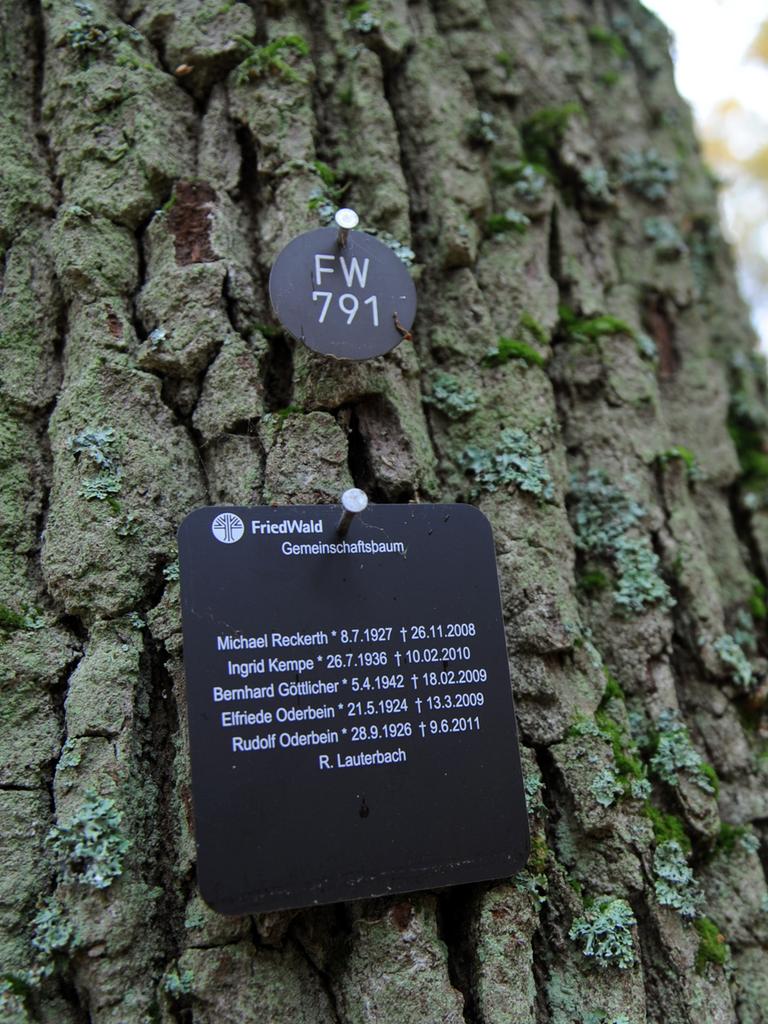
(227, 527)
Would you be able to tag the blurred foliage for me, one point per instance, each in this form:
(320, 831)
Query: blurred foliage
(736, 146)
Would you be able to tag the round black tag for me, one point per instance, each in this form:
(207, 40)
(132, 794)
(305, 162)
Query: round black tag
(355, 301)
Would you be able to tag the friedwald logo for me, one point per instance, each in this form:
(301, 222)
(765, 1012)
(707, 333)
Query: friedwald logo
(227, 528)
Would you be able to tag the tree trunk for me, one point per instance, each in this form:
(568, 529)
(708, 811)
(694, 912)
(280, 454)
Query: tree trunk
(581, 367)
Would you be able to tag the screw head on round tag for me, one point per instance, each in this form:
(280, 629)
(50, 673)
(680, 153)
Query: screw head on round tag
(342, 292)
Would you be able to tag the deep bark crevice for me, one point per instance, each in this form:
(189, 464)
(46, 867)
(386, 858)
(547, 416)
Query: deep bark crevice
(419, 222)
(360, 458)
(455, 907)
(357, 456)
(323, 980)
(249, 186)
(141, 270)
(278, 372)
(170, 384)
(161, 729)
(38, 42)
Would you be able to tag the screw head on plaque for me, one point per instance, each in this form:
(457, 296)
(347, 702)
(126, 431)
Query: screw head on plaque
(342, 292)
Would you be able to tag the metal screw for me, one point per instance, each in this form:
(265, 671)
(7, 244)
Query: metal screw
(352, 501)
(346, 220)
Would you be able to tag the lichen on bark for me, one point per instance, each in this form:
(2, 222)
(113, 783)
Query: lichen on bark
(577, 311)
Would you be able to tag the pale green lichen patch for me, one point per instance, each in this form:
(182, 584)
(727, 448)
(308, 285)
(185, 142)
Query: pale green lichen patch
(535, 885)
(97, 445)
(403, 252)
(667, 241)
(675, 754)
(53, 935)
(597, 1017)
(533, 784)
(639, 586)
(596, 185)
(452, 397)
(606, 931)
(674, 882)
(605, 787)
(732, 655)
(481, 129)
(101, 486)
(646, 346)
(606, 521)
(529, 182)
(178, 982)
(90, 847)
(516, 460)
(171, 572)
(649, 174)
(89, 39)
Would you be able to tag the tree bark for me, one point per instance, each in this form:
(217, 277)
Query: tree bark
(537, 159)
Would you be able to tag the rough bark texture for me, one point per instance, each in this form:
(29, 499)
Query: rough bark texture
(156, 157)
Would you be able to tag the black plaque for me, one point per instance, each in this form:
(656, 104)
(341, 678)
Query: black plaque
(350, 711)
(350, 302)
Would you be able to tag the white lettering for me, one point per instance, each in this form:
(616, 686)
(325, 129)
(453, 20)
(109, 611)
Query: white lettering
(353, 270)
(288, 526)
(373, 303)
(306, 689)
(239, 643)
(319, 269)
(327, 296)
(307, 739)
(255, 743)
(245, 668)
(300, 639)
(297, 665)
(244, 693)
(229, 719)
(284, 714)
(376, 757)
(349, 304)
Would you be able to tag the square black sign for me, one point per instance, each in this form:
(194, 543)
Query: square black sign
(350, 710)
